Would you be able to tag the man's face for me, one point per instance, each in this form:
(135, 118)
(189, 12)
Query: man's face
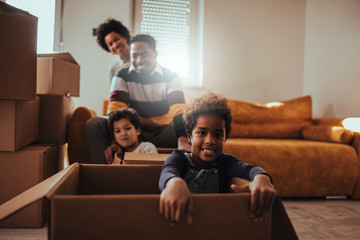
(143, 57)
(118, 45)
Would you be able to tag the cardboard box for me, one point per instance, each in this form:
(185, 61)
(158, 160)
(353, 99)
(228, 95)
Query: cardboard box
(19, 123)
(17, 53)
(144, 158)
(122, 202)
(22, 170)
(58, 73)
(55, 112)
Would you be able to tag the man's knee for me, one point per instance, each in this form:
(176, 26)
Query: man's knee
(95, 124)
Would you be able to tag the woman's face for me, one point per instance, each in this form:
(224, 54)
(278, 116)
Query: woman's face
(118, 45)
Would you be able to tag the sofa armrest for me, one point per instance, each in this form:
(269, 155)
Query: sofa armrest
(356, 145)
(77, 148)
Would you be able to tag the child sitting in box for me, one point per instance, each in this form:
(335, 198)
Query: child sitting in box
(124, 124)
(206, 169)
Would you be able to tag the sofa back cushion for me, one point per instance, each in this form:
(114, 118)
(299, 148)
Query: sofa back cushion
(284, 119)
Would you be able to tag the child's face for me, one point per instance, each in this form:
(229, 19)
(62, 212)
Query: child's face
(207, 139)
(126, 135)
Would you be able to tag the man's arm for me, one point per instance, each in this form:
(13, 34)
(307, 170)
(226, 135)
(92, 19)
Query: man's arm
(119, 93)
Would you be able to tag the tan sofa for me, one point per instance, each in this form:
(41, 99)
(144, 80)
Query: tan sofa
(306, 157)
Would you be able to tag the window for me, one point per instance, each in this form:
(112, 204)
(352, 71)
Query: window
(45, 11)
(176, 26)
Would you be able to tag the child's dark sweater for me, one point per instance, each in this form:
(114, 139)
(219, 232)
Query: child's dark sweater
(177, 165)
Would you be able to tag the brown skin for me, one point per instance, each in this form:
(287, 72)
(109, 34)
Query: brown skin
(143, 59)
(117, 45)
(207, 140)
(111, 150)
(126, 139)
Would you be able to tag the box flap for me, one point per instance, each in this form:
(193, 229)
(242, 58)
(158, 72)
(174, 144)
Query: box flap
(66, 56)
(144, 158)
(33, 194)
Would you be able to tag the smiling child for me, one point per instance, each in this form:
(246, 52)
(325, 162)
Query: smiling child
(206, 169)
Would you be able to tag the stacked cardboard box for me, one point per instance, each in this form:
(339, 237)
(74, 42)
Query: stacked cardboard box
(34, 113)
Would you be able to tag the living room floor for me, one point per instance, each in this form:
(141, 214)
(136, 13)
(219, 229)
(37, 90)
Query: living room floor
(311, 218)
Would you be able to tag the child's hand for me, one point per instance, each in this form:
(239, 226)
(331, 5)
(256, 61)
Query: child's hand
(262, 195)
(109, 152)
(175, 201)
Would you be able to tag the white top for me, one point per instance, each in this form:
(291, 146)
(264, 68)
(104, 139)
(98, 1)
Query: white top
(146, 147)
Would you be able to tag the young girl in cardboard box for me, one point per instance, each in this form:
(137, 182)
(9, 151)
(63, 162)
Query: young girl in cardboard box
(124, 124)
(206, 169)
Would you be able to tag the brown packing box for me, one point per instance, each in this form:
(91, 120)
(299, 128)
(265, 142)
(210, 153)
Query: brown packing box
(122, 202)
(58, 73)
(17, 53)
(55, 111)
(19, 123)
(22, 170)
(144, 158)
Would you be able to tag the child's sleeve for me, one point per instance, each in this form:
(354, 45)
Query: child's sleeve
(237, 168)
(174, 166)
(149, 148)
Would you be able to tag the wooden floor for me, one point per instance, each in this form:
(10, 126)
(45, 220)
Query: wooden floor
(325, 219)
(312, 219)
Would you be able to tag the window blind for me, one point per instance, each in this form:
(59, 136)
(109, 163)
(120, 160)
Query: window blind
(168, 22)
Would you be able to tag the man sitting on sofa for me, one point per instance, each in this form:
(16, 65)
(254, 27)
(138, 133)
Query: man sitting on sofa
(154, 91)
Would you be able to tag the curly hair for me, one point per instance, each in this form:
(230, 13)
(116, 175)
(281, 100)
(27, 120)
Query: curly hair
(111, 25)
(151, 42)
(209, 103)
(128, 113)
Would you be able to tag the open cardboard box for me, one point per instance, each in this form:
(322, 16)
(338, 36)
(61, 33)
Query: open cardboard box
(58, 73)
(22, 170)
(122, 202)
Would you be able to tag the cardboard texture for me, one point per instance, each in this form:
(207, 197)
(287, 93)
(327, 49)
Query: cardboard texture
(121, 202)
(55, 111)
(22, 170)
(18, 53)
(19, 123)
(59, 74)
(144, 158)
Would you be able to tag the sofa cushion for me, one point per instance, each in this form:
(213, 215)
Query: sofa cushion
(284, 119)
(301, 168)
(327, 134)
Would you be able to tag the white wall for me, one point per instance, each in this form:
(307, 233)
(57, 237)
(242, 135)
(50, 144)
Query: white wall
(332, 57)
(254, 49)
(80, 17)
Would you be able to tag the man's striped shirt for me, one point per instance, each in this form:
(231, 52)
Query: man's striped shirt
(157, 97)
